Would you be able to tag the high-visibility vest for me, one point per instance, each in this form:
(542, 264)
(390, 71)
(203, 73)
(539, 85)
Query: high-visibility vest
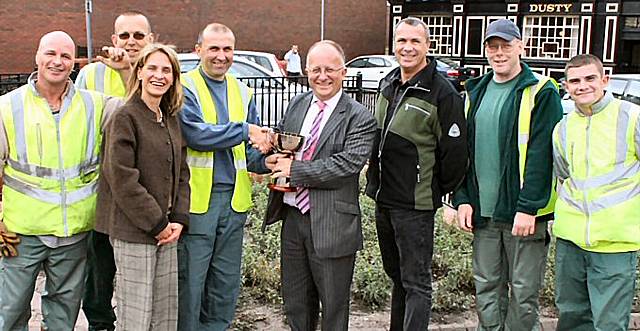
(597, 207)
(527, 103)
(99, 77)
(201, 163)
(50, 178)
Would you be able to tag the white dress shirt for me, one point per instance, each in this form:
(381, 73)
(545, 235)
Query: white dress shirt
(290, 197)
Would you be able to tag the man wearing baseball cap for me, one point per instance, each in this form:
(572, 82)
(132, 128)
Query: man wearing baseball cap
(507, 196)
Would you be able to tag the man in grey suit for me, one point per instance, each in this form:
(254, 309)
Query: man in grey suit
(321, 231)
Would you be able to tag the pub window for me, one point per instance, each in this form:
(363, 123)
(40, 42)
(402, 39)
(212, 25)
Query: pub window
(632, 23)
(551, 37)
(475, 33)
(440, 33)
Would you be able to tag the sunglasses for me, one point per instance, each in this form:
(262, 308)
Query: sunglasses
(136, 35)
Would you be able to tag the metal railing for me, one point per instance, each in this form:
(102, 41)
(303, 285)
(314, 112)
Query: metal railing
(10, 82)
(272, 94)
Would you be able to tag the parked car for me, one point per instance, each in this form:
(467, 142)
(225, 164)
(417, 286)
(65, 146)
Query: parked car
(372, 68)
(271, 91)
(268, 60)
(375, 67)
(456, 74)
(622, 86)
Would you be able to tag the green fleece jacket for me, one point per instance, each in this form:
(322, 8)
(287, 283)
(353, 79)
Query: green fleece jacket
(536, 188)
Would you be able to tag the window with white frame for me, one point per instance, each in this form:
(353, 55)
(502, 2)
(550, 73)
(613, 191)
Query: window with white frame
(551, 37)
(440, 33)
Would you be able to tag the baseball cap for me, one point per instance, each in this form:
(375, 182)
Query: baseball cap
(504, 29)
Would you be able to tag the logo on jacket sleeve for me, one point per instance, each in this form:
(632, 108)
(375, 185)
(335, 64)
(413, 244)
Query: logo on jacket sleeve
(454, 131)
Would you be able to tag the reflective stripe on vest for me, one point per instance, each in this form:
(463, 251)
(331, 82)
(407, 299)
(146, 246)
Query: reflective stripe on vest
(527, 103)
(101, 78)
(52, 167)
(598, 204)
(201, 163)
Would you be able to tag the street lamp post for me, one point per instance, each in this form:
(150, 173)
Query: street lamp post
(88, 10)
(322, 22)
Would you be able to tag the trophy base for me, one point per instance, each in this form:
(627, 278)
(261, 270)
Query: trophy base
(274, 187)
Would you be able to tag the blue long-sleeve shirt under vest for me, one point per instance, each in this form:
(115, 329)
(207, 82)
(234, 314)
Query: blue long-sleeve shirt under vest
(220, 137)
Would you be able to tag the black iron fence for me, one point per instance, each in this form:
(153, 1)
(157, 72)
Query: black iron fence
(9, 82)
(272, 94)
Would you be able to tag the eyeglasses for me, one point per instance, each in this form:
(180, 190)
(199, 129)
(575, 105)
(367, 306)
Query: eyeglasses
(328, 70)
(136, 35)
(506, 47)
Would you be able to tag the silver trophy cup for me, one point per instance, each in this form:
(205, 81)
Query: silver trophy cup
(285, 143)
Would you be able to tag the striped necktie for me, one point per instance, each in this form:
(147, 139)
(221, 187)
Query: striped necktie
(302, 195)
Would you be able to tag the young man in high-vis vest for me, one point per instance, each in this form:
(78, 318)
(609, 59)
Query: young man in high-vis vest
(505, 198)
(132, 32)
(218, 120)
(597, 161)
(50, 136)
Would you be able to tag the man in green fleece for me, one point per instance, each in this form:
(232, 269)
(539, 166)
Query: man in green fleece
(505, 198)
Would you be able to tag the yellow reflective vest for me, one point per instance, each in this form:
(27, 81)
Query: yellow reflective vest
(99, 77)
(598, 201)
(201, 163)
(527, 103)
(50, 176)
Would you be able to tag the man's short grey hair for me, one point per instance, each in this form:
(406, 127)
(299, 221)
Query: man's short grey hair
(412, 21)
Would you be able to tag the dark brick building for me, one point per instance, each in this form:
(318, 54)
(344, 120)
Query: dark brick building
(264, 25)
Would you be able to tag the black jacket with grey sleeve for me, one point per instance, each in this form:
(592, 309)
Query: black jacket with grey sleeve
(420, 147)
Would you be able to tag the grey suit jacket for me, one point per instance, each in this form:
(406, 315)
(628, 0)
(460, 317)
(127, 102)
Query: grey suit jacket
(332, 174)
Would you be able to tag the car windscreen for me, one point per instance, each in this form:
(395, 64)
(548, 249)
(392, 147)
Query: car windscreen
(616, 86)
(188, 65)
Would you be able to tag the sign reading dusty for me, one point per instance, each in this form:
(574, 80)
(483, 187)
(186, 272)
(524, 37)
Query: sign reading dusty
(550, 8)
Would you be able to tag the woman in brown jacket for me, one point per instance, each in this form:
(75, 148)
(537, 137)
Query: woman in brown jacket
(143, 197)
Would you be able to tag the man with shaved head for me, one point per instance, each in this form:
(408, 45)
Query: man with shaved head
(132, 32)
(321, 231)
(218, 122)
(49, 143)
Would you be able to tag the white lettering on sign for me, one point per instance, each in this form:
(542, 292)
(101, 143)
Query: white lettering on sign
(550, 8)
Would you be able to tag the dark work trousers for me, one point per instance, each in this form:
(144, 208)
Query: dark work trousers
(308, 280)
(101, 270)
(405, 237)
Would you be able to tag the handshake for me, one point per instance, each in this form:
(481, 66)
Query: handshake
(261, 138)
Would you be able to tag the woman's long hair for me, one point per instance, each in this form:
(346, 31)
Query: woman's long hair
(172, 99)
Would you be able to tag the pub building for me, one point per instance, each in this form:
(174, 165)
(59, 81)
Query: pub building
(553, 30)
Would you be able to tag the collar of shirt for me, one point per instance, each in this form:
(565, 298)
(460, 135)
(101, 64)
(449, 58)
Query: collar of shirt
(67, 95)
(313, 112)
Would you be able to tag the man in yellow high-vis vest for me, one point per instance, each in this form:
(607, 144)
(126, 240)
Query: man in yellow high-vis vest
(132, 32)
(597, 160)
(505, 198)
(218, 121)
(50, 135)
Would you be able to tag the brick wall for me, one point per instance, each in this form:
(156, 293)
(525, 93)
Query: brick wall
(265, 25)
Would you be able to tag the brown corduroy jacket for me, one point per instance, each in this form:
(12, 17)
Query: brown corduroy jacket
(144, 177)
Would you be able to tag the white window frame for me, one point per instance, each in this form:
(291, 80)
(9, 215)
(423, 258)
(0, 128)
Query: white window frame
(446, 33)
(543, 38)
(609, 53)
(484, 26)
